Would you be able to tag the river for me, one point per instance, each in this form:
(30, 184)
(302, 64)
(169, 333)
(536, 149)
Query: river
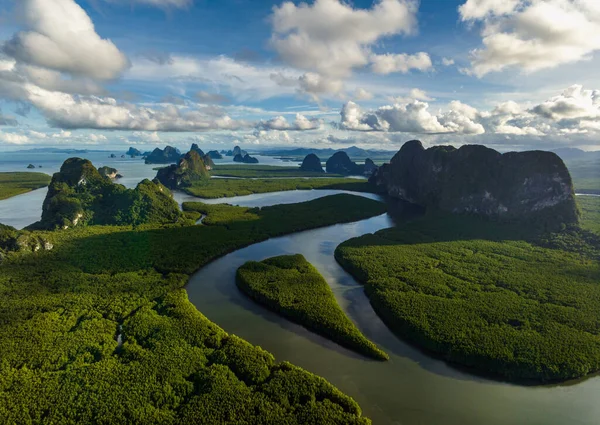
(412, 388)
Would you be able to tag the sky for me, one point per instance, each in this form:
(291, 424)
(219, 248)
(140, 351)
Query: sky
(109, 74)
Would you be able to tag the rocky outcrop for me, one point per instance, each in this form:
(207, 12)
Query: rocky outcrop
(215, 155)
(132, 152)
(340, 163)
(369, 167)
(238, 151)
(478, 180)
(312, 163)
(208, 162)
(111, 173)
(13, 240)
(30, 166)
(189, 169)
(112, 155)
(79, 195)
(196, 148)
(166, 156)
(246, 159)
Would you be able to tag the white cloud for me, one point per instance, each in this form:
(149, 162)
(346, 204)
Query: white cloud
(157, 3)
(310, 84)
(301, 123)
(533, 34)
(13, 138)
(574, 111)
(479, 9)
(244, 81)
(332, 38)
(60, 36)
(92, 112)
(388, 63)
(447, 61)
(362, 94)
(413, 117)
(413, 94)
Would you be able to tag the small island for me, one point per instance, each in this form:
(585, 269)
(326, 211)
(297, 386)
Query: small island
(292, 287)
(245, 159)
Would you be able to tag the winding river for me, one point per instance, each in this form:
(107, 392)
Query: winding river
(410, 389)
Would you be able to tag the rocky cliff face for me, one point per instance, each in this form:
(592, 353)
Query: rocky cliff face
(166, 156)
(475, 179)
(196, 148)
(215, 155)
(78, 195)
(189, 169)
(133, 152)
(312, 163)
(246, 159)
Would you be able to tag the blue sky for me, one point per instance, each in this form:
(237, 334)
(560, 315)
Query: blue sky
(511, 74)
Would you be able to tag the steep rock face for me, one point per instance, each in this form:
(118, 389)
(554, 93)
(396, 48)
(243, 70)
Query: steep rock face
(312, 163)
(133, 152)
(246, 159)
(479, 180)
(78, 195)
(238, 151)
(215, 155)
(340, 163)
(369, 168)
(196, 148)
(208, 162)
(189, 169)
(109, 172)
(166, 156)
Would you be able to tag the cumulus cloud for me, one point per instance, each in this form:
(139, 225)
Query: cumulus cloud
(68, 111)
(60, 36)
(331, 38)
(13, 138)
(574, 111)
(389, 63)
(301, 123)
(413, 117)
(532, 34)
(310, 84)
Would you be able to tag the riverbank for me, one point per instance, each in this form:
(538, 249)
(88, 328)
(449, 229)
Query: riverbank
(18, 183)
(64, 318)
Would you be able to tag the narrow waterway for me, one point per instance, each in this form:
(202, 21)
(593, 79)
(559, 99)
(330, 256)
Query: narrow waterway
(412, 388)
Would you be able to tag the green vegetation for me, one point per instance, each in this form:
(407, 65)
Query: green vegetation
(80, 195)
(13, 184)
(99, 329)
(187, 171)
(479, 295)
(258, 171)
(585, 174)
(590, 212)
(292, 287)
(220, 188)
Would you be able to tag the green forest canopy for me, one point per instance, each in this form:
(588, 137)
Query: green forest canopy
(292, 287)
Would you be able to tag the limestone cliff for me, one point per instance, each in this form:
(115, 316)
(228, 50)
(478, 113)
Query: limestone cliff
(166, 156)
(312, 163)
(78, 195)
(189, 169)
(475, 179)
